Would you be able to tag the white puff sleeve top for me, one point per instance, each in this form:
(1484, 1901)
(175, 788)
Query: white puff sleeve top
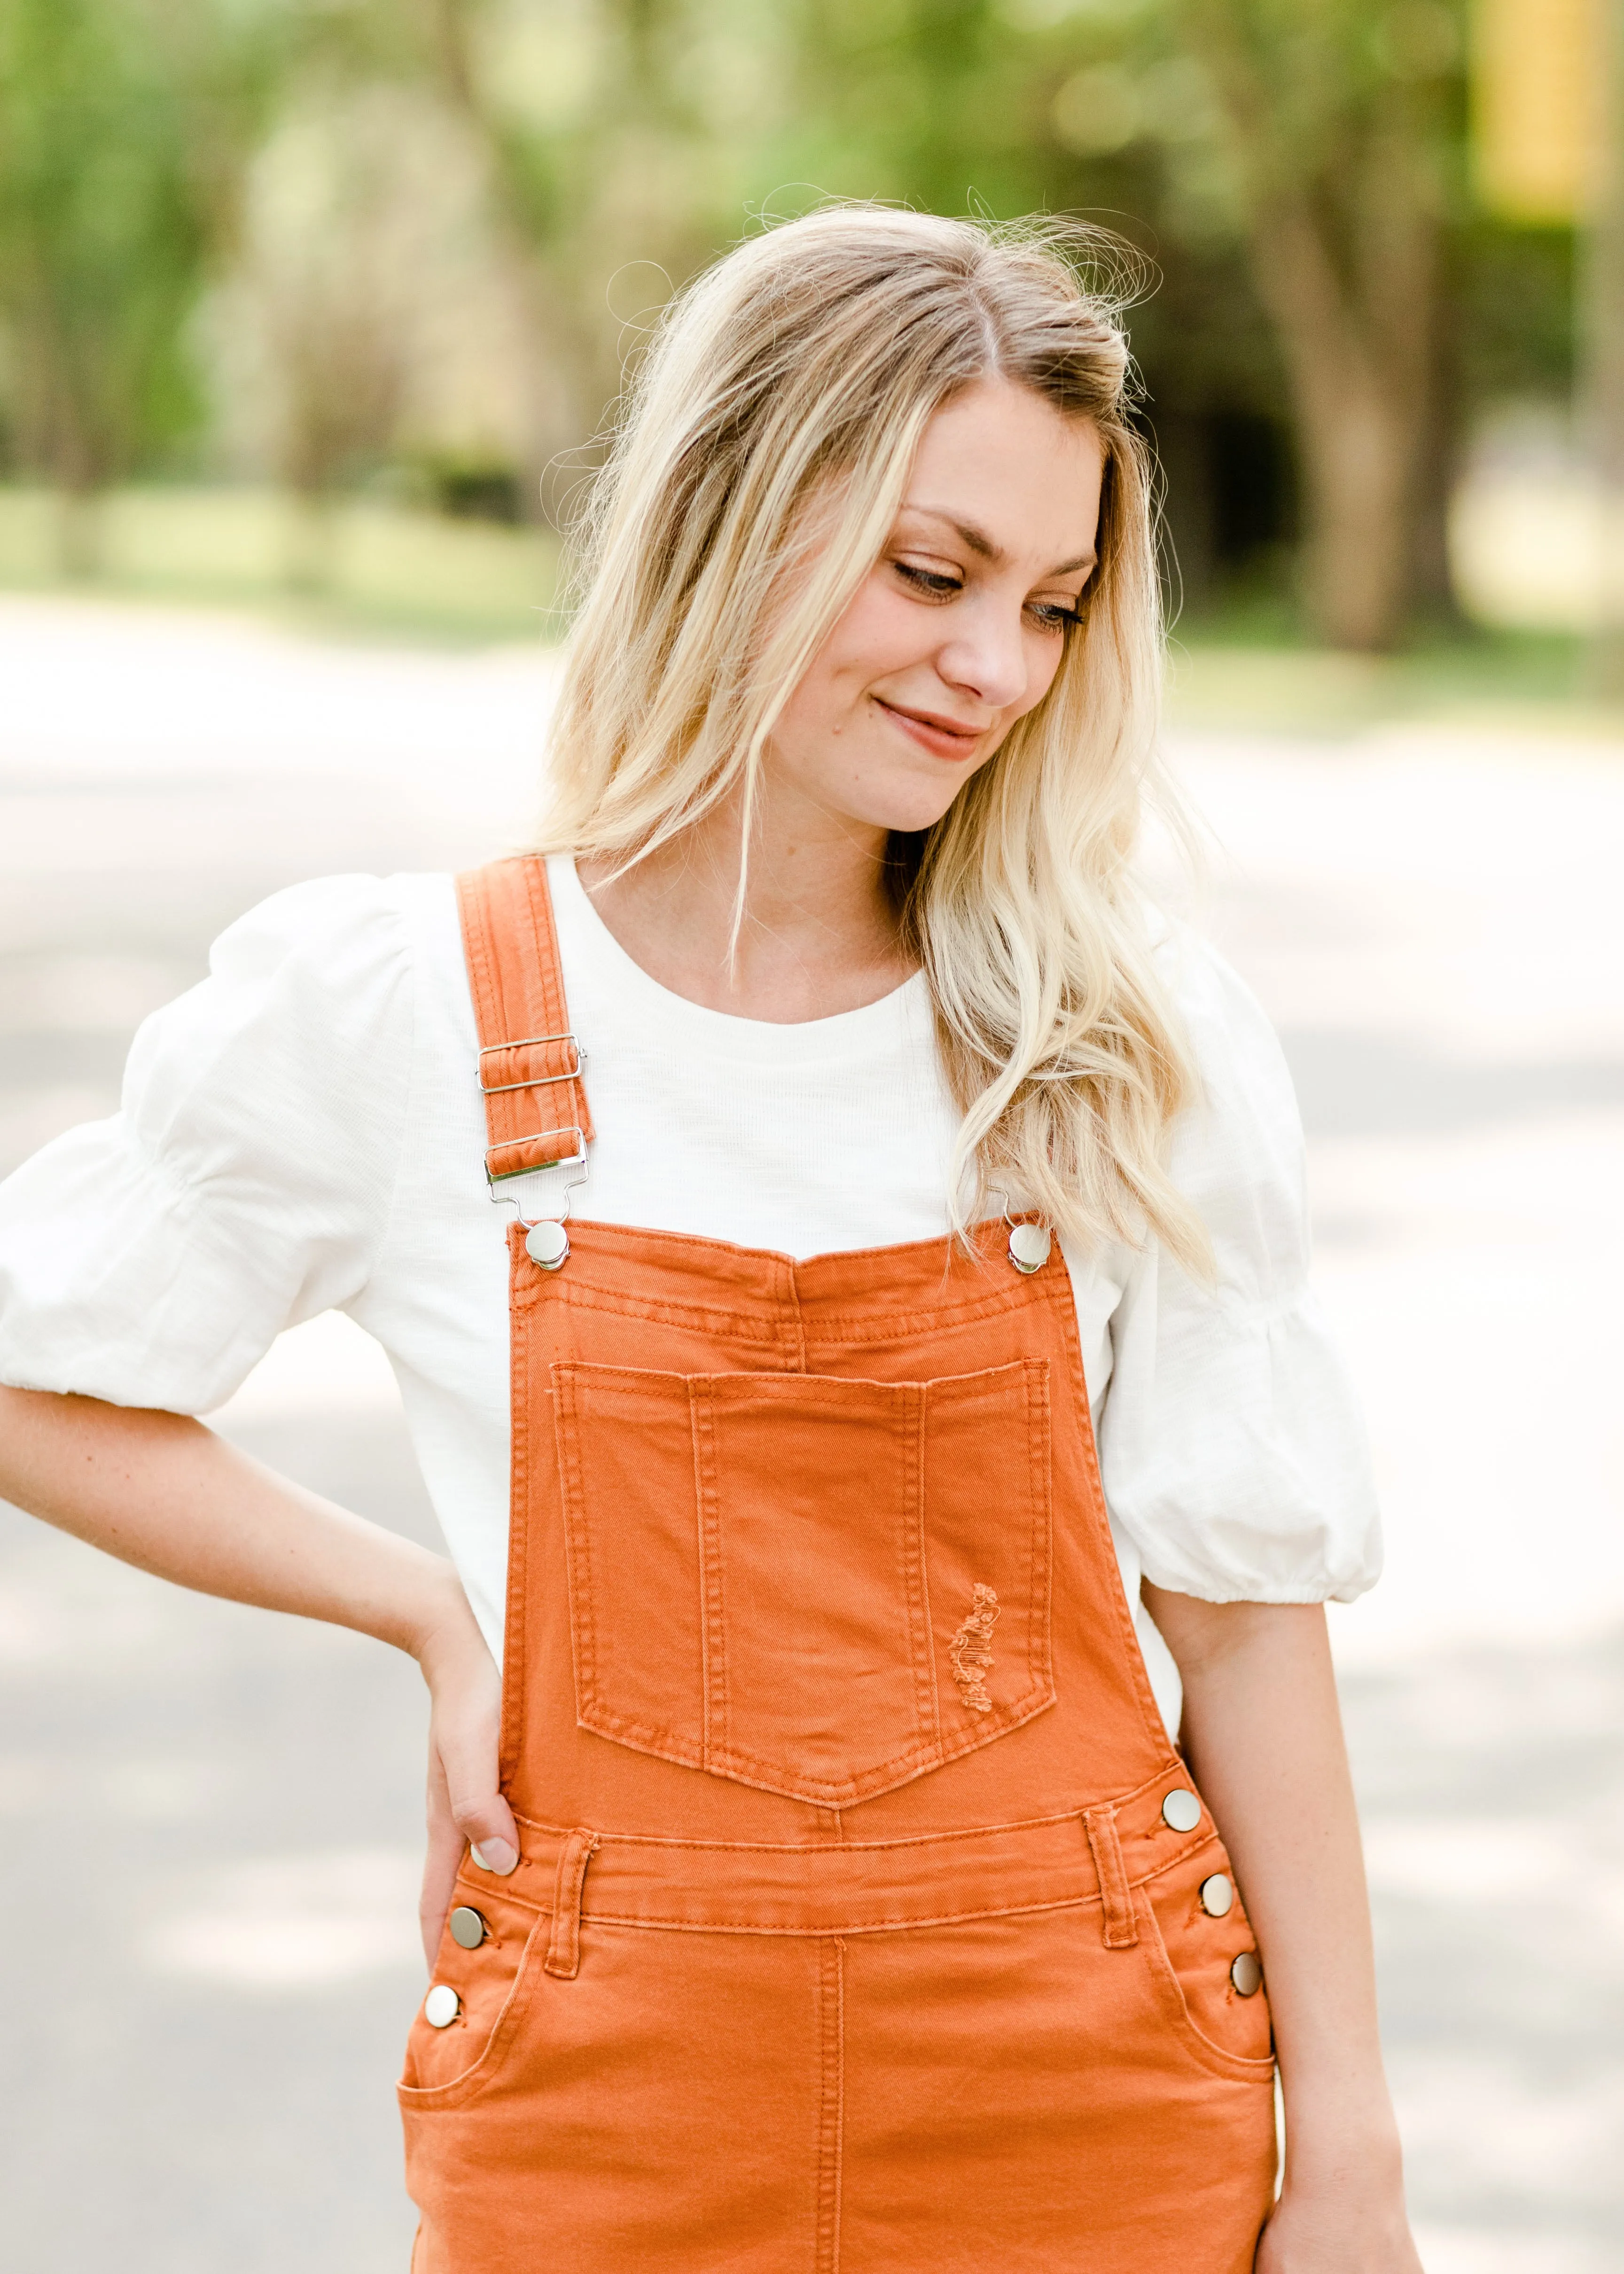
(303, 1131)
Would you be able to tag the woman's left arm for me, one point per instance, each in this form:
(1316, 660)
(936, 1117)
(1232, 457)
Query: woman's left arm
(1263, 1736)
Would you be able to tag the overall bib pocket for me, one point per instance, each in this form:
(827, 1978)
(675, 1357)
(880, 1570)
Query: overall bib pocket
(819, 1586)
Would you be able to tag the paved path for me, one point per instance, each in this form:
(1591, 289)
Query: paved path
(206, 1883)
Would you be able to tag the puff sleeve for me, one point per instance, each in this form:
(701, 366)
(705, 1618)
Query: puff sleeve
(244, 1186)
(1232, 1450)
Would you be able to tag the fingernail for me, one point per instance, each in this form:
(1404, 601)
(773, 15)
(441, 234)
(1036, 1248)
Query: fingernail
(495, 1856)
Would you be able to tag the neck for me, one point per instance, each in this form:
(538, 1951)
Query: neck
(819, 935)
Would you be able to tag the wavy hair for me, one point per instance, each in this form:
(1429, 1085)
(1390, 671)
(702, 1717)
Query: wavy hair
(761, 457)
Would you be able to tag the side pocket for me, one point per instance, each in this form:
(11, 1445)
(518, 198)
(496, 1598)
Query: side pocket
(1190, 1952)
(493, 1985)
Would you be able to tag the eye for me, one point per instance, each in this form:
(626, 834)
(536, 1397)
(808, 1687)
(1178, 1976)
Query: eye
(1053, 615)
(930, 583)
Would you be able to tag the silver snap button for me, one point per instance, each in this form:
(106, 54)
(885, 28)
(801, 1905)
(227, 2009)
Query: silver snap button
(441, 2007)
(1246, 1975)
(1217, 1895)
(1181, 1811)
(1029, 1246)
(547, 1244)
(468, 1926)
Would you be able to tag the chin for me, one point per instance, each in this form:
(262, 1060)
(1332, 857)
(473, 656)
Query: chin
(909, 806)
(906, 818)
(909, 815)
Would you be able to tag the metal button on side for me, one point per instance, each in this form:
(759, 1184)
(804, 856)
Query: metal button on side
(546, 1242)
(1029, 1246)
(1181, 1811)
(441, 2007)
(1247, 1974)
(1217, 1895)
(468, 1926)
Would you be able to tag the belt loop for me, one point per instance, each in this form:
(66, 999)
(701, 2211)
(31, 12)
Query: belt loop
(563, 1956)
(1121, 1925)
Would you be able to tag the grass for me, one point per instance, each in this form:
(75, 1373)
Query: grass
(1226, 673)
(362, 566)
(375, 569)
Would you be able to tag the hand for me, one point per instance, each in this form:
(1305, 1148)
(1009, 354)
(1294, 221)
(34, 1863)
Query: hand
(464, 1801)
(1338, 2228)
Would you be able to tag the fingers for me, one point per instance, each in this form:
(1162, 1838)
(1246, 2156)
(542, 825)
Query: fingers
(465, 1805)
(467, 1745)
(440, 1863)
(491, 1833)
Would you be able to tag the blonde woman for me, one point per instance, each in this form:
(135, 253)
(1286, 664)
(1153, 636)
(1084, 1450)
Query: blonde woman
(890, 1451)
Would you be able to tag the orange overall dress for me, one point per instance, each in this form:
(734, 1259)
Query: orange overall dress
(866, 1921)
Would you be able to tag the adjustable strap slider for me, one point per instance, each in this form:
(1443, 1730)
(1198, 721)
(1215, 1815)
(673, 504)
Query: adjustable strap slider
(533, 1062)
(539, 1148)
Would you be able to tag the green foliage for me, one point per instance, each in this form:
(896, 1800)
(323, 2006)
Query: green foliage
(628, 141)
(125, 127)
(100, 237)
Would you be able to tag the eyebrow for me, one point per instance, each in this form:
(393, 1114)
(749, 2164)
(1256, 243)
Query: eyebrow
(984, 547)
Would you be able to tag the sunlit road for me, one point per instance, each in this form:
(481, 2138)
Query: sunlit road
(210, 1816)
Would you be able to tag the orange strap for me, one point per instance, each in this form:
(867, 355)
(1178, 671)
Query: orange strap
(529, 1062)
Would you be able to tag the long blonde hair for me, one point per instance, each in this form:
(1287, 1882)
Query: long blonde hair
(803, 370)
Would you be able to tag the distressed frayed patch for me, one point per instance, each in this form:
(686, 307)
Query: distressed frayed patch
(971, 1650)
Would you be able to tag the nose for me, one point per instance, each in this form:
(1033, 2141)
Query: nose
(986, 655)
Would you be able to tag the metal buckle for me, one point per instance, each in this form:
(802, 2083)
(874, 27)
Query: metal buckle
(499, 1197)
(541, 1080)
(575, 1160)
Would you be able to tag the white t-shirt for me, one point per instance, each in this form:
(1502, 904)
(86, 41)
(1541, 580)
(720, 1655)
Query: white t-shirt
(304, 1131)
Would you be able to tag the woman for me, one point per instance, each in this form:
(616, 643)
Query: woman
(818, 1886)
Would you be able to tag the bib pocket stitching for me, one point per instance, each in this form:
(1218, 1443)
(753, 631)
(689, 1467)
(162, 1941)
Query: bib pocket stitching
(692, 1498)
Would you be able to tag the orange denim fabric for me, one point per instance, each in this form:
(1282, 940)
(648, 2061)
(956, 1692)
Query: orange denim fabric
(848, 1934)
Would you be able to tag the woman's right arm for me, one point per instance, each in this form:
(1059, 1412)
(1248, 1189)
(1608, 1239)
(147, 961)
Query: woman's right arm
(161, 1491)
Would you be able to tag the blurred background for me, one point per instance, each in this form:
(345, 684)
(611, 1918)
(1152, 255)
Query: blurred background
(310, 314)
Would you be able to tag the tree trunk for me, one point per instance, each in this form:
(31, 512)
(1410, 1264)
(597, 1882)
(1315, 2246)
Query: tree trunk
(80, 474)
(308, 542)
(1361, 379)
(1358, 466)
(1359, 416)
(1345, 242)
(78, 533)
(556, 384)
(1439, 463)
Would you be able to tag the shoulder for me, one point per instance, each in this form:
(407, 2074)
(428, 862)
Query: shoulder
(249, 1178)
(338, 949)
(1240, 1065)
(1228, 1031)
(1237, 1150)
(309, 996)
(342, 926)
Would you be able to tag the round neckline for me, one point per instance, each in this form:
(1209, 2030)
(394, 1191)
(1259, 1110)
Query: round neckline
(871, 1025)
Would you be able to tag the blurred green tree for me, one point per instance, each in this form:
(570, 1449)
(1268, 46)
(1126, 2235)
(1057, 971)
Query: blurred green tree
(100, 244)
(622, 139)
(124, 128)
(1344, 127)
(1300, 157)
(1296, 167)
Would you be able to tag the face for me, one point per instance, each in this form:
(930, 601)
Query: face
(961, 626)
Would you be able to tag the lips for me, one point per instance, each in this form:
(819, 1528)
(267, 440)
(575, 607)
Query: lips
(942, 737)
